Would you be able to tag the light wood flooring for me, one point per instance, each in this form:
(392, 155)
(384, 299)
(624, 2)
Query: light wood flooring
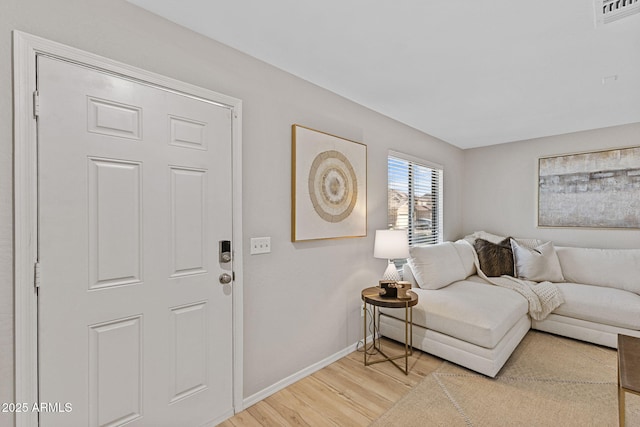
(345, 393)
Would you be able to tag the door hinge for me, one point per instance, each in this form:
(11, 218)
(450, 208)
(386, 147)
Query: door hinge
(36, 104)
(36, 275)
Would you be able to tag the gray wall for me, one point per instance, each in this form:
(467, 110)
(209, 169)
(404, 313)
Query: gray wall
(500, 187)
(302, 300)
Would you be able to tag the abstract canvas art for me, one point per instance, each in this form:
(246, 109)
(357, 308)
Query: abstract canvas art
(329, 186)
(599, 189)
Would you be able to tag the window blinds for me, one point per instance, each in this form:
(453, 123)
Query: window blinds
(415, 198)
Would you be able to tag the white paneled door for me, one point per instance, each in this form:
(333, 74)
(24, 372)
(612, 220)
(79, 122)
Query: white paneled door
(135, 326)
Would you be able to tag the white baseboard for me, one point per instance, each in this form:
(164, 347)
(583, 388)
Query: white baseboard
(263, 394)
(220, 419)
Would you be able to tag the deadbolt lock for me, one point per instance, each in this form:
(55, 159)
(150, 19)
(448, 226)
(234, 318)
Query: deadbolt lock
(224, 251)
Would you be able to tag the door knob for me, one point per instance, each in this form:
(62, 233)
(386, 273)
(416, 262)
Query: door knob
(225, 278)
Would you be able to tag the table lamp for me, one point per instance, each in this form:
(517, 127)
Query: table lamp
(391, 244)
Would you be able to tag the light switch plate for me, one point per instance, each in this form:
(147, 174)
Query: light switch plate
(260, 245)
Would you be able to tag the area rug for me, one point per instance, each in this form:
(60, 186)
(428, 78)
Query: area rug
(547, 381)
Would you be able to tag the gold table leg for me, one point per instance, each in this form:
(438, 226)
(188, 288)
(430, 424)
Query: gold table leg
(364, 316)
(408, 340)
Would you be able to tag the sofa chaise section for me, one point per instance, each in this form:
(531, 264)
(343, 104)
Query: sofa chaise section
(459, 317)
(473, 324)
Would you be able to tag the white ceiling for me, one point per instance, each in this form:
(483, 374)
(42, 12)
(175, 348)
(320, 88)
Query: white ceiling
(470, 72)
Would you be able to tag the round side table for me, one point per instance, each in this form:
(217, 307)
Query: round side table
(372, 297)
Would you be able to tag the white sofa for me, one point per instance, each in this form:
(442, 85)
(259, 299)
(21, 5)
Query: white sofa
(464, 319)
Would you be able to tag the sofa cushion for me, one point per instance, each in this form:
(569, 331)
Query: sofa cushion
(493, 238)
(479, 313)
(538, 264)
(496, 259)
(598, 304)
(436, 266)
(613, 268)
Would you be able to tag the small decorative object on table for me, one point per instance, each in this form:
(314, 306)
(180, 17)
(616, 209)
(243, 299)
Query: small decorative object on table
(393, 289)
(388, 289)
(402, 288)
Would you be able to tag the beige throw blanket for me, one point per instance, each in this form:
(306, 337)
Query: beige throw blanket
(543, 297)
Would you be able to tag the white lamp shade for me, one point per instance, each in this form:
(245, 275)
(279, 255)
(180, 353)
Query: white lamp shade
(391, 244)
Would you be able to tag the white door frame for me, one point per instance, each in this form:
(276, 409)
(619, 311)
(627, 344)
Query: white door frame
(26, 47)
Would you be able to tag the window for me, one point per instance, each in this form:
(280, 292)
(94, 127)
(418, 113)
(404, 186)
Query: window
(415, 198)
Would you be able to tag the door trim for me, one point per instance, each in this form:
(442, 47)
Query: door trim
(26, 48)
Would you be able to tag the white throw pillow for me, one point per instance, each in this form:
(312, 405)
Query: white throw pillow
(467, 257)
(437, 266)
(538, 264)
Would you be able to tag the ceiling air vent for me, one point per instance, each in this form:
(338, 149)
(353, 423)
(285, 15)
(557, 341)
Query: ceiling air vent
(612, 10)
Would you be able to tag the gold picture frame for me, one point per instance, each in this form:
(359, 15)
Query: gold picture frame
(328, 186)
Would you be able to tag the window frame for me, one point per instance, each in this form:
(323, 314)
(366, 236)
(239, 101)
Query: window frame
(437, 217)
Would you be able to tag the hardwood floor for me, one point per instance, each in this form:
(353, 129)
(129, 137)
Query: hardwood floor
(345, 393)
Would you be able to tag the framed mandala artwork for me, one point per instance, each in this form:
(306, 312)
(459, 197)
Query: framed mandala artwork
(329, 186)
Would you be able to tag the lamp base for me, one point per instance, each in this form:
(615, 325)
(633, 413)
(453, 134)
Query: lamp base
(391, 273)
